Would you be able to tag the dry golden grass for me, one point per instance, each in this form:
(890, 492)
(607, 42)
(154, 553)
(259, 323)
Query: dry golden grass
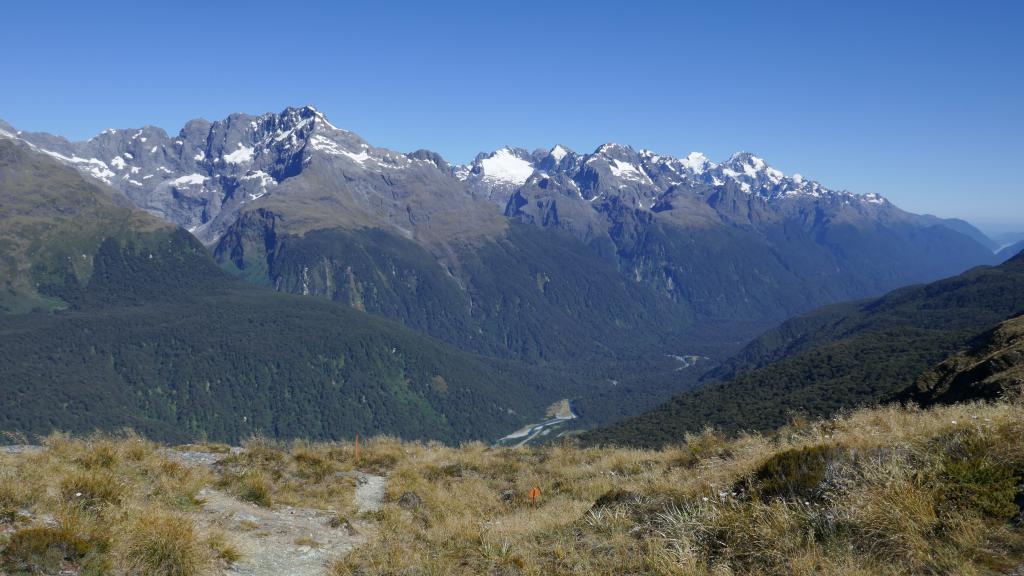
(887, 490)
(302, 474)
(878, 508)
(104, 505)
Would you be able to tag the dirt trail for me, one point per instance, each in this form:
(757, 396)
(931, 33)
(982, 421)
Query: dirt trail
(369, 492)
(286, 541)
(281, 541)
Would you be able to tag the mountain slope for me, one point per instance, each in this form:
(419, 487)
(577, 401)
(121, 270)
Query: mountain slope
(835, 358)
(530, 294)
(992, 366)
(51, 222)
(154, 335)
(1010, 251)
(967, 229)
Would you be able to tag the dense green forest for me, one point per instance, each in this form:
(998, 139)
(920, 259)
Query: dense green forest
(533, 295)
(835, 358)
(162, 341)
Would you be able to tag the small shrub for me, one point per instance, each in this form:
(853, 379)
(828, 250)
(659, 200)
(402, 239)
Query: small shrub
(223, 548)
(75, 537)
(795, 473)
(99, 454)
(979, 484)
(699, 447)
(263, 450)
(311, 465)
(341, 522)
(615, 497)
(9, 515)
(444, 471)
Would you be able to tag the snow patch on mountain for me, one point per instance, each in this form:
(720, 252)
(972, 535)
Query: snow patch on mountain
(189, 180)
(558, 152)
(93, 166)
(628, 171)
(505, 166)
(332, 148)
(360, 157)
(242, 155)
(696, 162)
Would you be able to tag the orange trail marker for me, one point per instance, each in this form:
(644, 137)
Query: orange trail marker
(534, 493)
(357, 448)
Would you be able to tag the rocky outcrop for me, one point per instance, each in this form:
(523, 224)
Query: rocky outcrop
(993, 366)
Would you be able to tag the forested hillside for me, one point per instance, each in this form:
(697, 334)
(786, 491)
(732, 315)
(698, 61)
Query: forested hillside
(142, 329)
(835, 358)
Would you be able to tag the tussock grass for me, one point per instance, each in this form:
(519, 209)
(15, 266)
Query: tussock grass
(887, 490)
(305, 474)
(103, 505)
(882, 491)
(161, 543)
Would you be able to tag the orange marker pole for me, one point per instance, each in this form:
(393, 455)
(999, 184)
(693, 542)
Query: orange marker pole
(357, 448)
(534, 494)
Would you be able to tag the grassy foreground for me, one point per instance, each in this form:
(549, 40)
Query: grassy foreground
(878, 491)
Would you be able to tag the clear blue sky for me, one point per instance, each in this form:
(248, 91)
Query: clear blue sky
(922, 102)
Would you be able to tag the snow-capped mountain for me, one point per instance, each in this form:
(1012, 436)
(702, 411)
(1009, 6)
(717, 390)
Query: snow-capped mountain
(203, 177)
(641, 178)
(731, 239)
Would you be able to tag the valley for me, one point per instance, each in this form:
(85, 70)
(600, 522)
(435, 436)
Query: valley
(557, 415)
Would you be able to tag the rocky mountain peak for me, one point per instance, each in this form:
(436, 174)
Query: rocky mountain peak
(201, 177)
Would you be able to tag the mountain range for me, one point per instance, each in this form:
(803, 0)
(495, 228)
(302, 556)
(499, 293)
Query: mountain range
(585, 275)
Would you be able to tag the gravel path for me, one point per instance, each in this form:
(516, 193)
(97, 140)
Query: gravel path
(20, 449)
(282, 541)
(369, 492)
(273, 542)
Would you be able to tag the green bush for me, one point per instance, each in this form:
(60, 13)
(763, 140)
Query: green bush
(979, 484)
(795, 473)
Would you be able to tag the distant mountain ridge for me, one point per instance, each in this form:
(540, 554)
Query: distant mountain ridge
(1010, 251)
(214, 167)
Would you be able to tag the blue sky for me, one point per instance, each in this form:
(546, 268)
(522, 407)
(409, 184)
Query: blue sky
(922, 102)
